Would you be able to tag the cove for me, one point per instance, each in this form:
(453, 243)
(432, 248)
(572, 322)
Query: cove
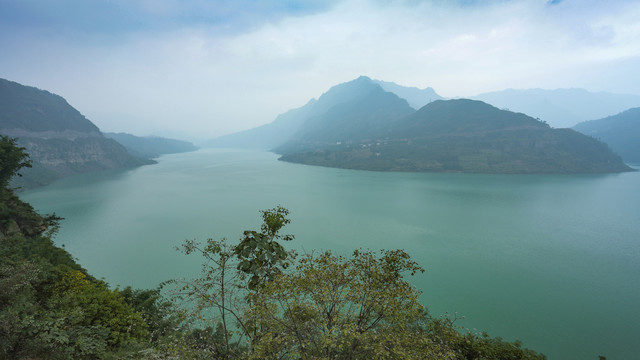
(552, 260)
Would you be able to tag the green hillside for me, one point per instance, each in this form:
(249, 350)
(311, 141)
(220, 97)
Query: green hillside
(621, 132)
(468, 136)
(60, 141)
(34, 110)
(350, 121)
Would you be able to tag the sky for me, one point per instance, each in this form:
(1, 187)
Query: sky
(204, 68)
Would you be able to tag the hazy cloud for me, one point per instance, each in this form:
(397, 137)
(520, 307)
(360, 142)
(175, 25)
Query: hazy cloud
(207, 68)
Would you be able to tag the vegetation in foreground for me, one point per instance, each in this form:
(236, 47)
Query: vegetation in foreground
(253, 300)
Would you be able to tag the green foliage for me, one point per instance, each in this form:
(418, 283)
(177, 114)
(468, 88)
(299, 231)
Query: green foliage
(471, 346)
(260, 256)
(332, 306)
(323, 306)
(12, 159)
(101, 307)
(49, 306)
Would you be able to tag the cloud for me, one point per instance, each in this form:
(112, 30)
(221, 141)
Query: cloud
(123, 16)
(209, 68)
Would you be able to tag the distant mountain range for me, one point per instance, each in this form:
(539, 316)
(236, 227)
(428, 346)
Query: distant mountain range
(359, 125)
(560, 108)
(150, 147)
(416, 98)
(59, 140)
(621, 132)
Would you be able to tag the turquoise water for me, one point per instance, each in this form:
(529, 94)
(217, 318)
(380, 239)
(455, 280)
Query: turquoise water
(551, 260)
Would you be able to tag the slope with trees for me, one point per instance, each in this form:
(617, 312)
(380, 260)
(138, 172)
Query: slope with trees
(467, 136)
(621, 132)
(59, 140)
(50, 307)
(349, 121)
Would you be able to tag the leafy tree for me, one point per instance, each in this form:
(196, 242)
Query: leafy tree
(337, 307)
(265, 302)
(12, 159)
(259, 254)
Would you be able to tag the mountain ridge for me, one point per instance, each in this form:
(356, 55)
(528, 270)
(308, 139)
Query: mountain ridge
(286, 125)
(58, 138)
(150, 147)
(621, 132)
(468, 136)
(560, 108)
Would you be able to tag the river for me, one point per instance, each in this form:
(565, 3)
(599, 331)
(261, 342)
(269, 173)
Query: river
(552, 260)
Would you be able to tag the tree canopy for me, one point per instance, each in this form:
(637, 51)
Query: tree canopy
(12, 159)
(266, 302)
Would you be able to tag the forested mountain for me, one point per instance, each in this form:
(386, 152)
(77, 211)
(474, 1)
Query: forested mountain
(33, 110)
(286, 126)
(560, 108)
(466, 136)
(150, 147)
(366, 124)
(59, 140)
(621, 132)
(346, 122)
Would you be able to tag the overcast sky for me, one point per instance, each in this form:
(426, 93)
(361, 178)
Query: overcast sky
(204, 68)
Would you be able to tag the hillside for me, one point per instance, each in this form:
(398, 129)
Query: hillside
(560, 108)
(287, 126)
(468, 136)
(349, 121)
(151, 146)
(33, 110)
(60, 141)
(621, 132)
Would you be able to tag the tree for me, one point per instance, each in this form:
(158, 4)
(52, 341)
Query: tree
(259, 254)
(337, 307)
(12, 159)
(265, 302)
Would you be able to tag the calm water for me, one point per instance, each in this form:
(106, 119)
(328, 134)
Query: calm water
(551, 260)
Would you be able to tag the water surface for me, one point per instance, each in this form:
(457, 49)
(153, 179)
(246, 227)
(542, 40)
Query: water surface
(552, 260)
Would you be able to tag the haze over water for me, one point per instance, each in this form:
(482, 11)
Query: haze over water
(552, 260)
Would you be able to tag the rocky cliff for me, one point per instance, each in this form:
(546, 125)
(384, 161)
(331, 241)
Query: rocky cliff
(59, 140)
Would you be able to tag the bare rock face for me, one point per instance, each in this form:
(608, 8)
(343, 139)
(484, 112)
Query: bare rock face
(59, 140)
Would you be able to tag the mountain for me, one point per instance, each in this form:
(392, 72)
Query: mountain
(151, 146)
(467, 136)
(416, 98)
(268, 136)
(621, 132)
(561, 108)
(361, 117)
(286, 126)
(60, 141)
